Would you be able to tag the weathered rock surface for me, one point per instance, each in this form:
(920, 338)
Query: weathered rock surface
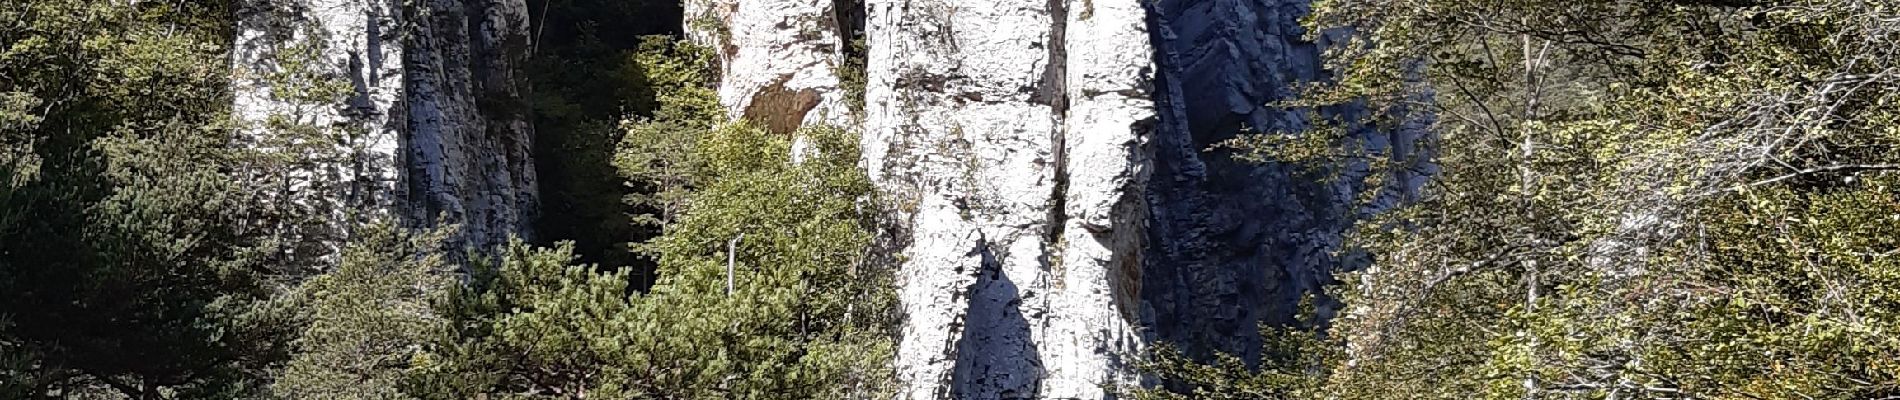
(1058, 201)
(779, 59)
(967, 126)
(291, 59)
(469, 143)
(969, 145)
(434, 117)
(1013, 134)
(1050, 164)
(1059, 197)
(1106, 164)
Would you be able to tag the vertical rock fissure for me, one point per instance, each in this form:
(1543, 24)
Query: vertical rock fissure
(1106, 73)
(1054, 90)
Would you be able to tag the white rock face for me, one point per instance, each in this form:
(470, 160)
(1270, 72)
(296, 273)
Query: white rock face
(434, 117)
(284, 51)
(704, 21)
(1106, 162)
(962, 129)
(780, 61)
(1012, 133)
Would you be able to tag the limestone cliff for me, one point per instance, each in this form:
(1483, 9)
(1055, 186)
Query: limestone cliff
(425, 94)
(1057, 197)
(1058, 201)
(1013, 134)
(966, 128)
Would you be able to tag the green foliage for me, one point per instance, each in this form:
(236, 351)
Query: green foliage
(146, 245)
(652, 155)
(369, 318)
(1810, 287)
(579, 118)
(803, 285)
(1294, 366)
(123, 267)
(807, 316)
(18, 164)
(1637, 199)
(535, 326)
(589, 69)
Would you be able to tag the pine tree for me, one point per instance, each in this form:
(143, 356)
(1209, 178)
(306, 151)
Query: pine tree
(370, 318)
(807, 316)
(123, 270)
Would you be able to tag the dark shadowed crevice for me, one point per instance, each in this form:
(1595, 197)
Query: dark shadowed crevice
(1232, 244)
(1053, 90)
(849, 19)
(584, 82)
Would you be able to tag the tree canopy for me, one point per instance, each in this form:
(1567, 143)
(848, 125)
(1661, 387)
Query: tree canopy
(1682, 199)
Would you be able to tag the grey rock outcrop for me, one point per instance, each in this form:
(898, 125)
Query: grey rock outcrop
(469, 141)
(1019, 271)
(433, 118)
(1052, 168)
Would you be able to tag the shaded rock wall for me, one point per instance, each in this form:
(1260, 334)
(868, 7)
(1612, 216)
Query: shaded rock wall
(432, 113)
(1234, 243)
(469, 142)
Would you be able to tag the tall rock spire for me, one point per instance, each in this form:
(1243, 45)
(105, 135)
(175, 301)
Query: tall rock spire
(1013, 134)
(1106, 164)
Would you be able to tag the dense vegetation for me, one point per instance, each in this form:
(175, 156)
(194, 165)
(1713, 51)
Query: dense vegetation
(1684, 199)
(589, 72)
(805, 315)
(146, 250)
(125, 258)
(1632, 199)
